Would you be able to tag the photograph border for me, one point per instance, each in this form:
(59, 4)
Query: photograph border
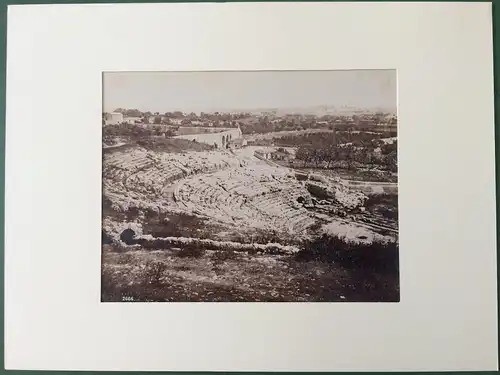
(3, 41)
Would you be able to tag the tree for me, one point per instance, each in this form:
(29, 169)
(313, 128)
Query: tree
(132, 113)
(388, 148)
(303, 154)
(391, 161)
(157, 119)
(331, 154)
(369, 157)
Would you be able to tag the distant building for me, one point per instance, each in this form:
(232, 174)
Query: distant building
(132, 120)
(221, 139)
(113, 118)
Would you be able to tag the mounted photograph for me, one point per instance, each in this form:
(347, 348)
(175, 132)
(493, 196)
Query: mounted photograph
(250, 186)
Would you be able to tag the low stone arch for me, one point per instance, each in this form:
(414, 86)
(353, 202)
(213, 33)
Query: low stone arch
(128, 236)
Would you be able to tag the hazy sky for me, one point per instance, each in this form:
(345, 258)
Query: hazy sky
(212, 91)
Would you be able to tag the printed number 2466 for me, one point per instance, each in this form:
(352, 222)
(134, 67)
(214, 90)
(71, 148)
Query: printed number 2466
(127, 299)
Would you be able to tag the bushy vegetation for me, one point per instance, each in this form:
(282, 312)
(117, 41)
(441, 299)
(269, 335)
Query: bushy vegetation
(377, 257)
(261, 236)
(383, 204)
(134, 132)
(178, 225)
(151, 137)
(326, 153)
(153, 273)
(172, 145)
(382, 199)
(192, 250)
(272, 123)
(221, 256)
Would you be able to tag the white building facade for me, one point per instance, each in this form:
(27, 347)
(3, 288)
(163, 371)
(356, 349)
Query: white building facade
(113, 118)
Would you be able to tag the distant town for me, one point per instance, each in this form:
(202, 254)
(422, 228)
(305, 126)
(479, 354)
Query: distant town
(271, 120)
(262, 125)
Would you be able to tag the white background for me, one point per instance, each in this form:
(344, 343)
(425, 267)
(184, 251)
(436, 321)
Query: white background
(446, 319)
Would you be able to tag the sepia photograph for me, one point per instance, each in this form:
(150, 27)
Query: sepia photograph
(250, 186)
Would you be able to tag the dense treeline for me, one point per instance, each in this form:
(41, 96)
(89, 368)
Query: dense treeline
(326, 156)
(265, 125)
(361, 139)
(182, 115)
(343, 148)
(133, 132)
(268, 124)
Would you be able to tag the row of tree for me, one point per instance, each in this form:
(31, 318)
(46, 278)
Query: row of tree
(133, 131)
(220, 116)
(265, 125)
(319, 139)
(329, 155)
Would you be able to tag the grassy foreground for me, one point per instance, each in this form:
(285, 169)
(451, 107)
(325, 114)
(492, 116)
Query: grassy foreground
(325, 269)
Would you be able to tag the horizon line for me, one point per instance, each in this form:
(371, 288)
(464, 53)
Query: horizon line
(266, 109)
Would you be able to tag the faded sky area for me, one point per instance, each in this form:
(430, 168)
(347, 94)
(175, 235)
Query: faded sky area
(218, 91)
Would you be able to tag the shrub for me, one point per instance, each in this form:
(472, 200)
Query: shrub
(223, 255)
(377, 256)
(382, 199)
(125, 259)
(154, 273)
(191, 251)
(179, 225)
(389, 214)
